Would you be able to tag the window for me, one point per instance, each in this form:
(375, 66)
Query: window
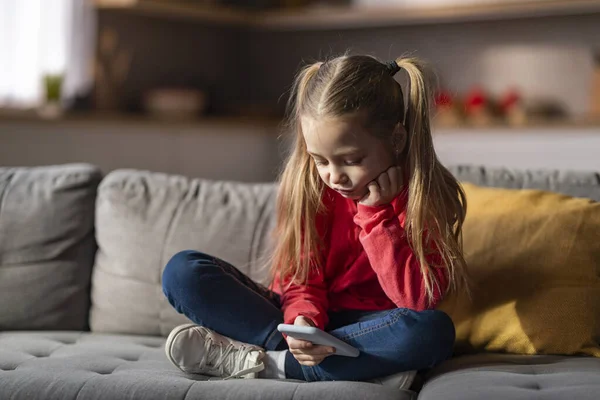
(40, 37)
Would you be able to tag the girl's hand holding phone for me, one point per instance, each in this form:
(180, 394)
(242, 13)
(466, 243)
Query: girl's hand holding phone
(305, 352)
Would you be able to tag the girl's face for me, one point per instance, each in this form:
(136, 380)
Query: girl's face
(346, 155)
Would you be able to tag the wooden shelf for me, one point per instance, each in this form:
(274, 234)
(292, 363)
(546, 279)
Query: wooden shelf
(98, 119)
(271, 124)
(352, 18)
(175, 9)
(327, 18)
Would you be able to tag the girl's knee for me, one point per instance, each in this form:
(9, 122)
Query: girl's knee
(443, 334)
(431, 331)
(182, 267)
(441, 322)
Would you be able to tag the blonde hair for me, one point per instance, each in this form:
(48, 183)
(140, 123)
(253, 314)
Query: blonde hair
(436, 202)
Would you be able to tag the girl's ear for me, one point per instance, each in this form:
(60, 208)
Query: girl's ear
(400, 137)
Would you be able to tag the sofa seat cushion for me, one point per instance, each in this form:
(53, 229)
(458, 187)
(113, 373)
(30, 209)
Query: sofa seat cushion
(515, 377)
(83, 365)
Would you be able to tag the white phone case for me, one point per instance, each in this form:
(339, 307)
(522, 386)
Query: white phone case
(317, 336)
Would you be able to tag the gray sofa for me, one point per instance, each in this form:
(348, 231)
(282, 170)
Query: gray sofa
(82, 314)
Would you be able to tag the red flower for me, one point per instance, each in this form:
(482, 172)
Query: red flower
(475, 100)
(443, 99)
(509, 99)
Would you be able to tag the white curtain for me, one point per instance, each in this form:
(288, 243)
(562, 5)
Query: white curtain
(39, 37)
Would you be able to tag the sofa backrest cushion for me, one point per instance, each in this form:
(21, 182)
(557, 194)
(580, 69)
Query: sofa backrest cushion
(144, 218)
(534, 267)
(571, 183)
(46, 246)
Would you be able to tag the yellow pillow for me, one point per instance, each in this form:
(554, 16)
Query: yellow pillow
(534, 264)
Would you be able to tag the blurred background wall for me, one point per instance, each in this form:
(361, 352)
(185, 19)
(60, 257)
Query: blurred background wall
(199, 87)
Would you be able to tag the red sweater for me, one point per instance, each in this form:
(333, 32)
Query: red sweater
(366, 264)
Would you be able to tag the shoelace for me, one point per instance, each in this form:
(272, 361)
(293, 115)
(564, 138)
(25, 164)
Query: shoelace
(225, 364)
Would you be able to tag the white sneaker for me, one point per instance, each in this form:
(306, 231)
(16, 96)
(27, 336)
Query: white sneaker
(401, 380)
(198, 350)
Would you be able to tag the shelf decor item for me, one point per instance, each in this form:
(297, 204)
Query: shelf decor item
(512, 108)
(447, 112)
(51, 106)
(175, 103)
(111, 71)
(479, 110)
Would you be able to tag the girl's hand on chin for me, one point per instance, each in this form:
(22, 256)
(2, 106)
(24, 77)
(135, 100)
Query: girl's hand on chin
(384, 189)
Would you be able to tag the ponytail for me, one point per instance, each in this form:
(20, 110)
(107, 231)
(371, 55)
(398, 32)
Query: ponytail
(299, 90)
(436, 204)
(298, 198)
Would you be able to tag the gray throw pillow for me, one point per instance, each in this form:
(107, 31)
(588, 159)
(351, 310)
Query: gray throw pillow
(144, 218)
(47, 246)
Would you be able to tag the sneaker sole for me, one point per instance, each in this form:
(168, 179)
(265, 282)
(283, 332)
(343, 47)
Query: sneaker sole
(408, 381)
(171, 339)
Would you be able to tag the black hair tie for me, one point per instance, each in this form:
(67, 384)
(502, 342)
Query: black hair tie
(393, 67)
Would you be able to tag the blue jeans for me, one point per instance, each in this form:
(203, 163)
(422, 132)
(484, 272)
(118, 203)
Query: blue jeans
(214, 294)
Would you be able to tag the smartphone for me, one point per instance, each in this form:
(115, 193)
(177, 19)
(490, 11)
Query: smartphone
(318, 336)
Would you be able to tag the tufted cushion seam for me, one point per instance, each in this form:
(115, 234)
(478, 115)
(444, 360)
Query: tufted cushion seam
(294, 392)
(60, 346)
(487, 371)
(166, 240)
(106, 373)
(82, 386)
(188, 390)
(30, 358)
(4, 195)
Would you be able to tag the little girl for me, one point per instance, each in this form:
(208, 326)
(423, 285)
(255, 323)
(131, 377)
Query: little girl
(368, 242)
